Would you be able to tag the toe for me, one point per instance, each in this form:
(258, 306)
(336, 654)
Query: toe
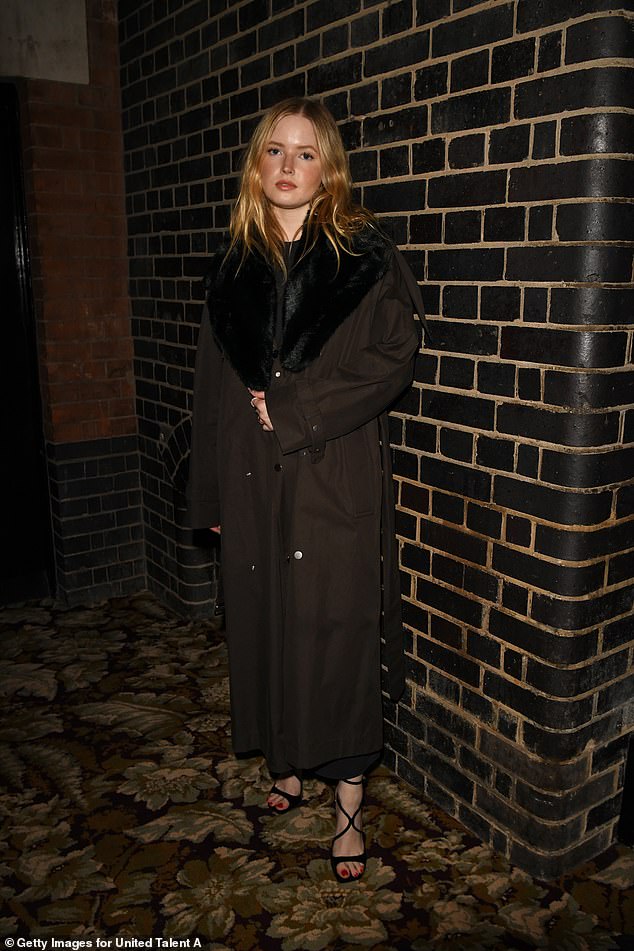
(277, 802)
(350, 869)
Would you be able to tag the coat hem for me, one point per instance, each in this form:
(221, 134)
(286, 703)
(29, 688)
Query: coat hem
(312, 760)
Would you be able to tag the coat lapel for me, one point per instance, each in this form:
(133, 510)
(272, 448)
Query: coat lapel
(242, 314)
(318, 298)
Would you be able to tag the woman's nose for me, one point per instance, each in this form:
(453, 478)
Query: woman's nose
(287, 165)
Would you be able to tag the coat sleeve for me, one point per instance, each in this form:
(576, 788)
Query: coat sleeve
(203, 505)
(306, 412)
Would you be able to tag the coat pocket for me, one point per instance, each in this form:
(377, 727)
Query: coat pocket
(361, 468)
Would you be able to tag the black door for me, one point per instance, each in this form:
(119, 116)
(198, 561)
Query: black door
(26, 558)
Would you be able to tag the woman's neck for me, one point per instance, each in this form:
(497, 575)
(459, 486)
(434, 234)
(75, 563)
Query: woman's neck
(291, 221)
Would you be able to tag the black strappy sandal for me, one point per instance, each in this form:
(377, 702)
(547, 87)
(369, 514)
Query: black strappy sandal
(336, 860)
(293, 801)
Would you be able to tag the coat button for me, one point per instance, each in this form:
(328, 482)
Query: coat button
(297, 555)
(278, 466)
(248, 473)
(315, 428)
(277, 373)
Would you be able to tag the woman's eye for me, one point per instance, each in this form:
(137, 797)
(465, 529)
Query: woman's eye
(307, 155)
(273, 151)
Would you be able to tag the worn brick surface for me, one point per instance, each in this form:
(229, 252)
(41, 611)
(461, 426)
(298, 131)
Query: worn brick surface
(75, 192)
(74, 185)
(494, 141)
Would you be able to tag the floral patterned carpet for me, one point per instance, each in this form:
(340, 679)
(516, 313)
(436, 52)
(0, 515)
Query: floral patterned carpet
(124, 813)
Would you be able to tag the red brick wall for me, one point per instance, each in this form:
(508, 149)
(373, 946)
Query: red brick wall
(73, 163)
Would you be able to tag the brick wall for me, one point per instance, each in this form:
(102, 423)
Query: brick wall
(71, 138)
(494, 140)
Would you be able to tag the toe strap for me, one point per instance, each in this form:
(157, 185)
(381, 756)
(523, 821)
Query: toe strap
(293, 800)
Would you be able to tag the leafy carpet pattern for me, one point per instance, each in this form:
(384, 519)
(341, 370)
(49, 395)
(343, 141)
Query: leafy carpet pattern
(123, 812)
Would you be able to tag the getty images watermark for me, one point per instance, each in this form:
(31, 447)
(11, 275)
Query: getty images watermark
(103, 944)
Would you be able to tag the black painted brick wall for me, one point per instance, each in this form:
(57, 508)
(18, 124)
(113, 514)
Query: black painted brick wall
(494, 140)
(97, 518)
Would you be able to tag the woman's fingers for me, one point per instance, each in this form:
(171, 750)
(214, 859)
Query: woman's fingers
(258, 402)
(263, 416)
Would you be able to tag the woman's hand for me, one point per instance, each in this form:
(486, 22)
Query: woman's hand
(258, 402)
(215, 528)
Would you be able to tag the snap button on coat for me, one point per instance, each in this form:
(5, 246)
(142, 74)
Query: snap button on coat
(298, 554)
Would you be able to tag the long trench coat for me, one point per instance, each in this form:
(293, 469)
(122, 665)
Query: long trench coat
(306, 576)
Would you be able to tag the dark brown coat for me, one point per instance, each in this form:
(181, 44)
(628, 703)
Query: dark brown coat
(302, 508)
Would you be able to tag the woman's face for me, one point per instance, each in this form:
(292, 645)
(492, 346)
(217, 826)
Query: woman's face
(290, 167)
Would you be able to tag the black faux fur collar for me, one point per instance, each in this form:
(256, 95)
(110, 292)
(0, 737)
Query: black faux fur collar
(318, 298)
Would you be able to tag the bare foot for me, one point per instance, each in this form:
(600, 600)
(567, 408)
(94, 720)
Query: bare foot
(351, 842)
(291, 784)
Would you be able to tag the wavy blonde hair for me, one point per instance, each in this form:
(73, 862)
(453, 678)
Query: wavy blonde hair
(332, 210)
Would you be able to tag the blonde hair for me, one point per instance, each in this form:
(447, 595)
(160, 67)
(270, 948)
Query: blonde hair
(332, 210)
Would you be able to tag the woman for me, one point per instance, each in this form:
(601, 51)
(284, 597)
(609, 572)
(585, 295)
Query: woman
(308, 337)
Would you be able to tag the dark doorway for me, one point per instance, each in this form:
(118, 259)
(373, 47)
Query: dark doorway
(26, 560)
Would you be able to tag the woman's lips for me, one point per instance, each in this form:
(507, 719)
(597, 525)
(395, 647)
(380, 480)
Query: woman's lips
(285, 186)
